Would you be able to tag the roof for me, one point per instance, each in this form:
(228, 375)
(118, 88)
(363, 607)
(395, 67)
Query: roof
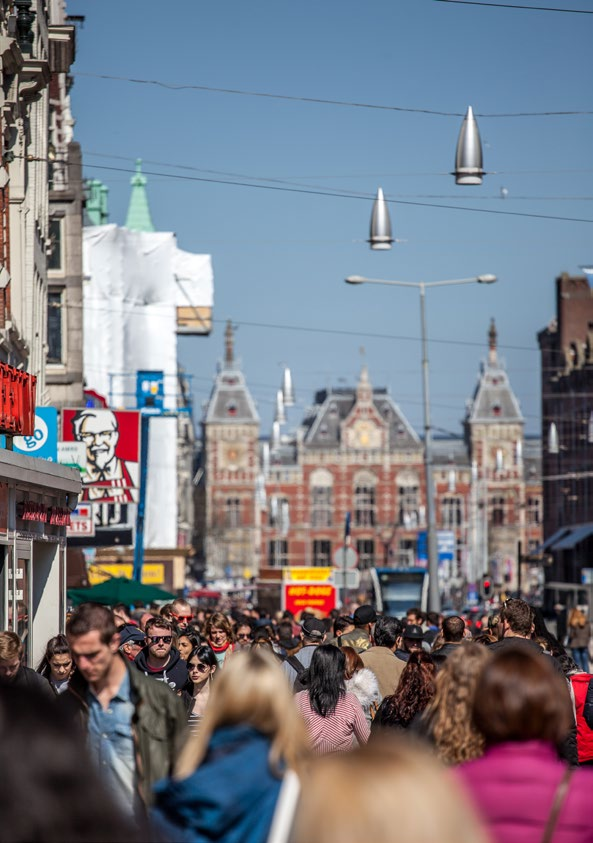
(230, 400)
(322, 422)
(450, 451)
(138, 218)
(494, 400)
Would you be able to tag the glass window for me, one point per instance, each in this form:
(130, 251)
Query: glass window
(497, 512)
(54, 260)
(366, 553)
(364, 506)
(233, 512)
(54, 327)
(409, 514)
(322, 550)
(534, 511)
(451, 513)
(277, 553)
(321, 506)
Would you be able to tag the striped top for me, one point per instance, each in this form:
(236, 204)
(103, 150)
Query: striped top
(194, 722)
(334, 733)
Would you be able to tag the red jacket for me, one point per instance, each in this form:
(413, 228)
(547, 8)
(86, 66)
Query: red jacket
(580, 686)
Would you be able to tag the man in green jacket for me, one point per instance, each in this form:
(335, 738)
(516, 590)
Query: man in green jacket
(135, 726)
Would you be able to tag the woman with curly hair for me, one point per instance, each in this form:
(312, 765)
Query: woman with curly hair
(219, 634)
(447, 719)
(415, 690)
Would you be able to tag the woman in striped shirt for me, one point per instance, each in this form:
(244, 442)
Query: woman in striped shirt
(202, 666)
(332, 715)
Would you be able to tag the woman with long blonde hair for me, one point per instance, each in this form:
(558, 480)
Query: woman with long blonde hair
(388, 791)
(447, 719)
(227, 780)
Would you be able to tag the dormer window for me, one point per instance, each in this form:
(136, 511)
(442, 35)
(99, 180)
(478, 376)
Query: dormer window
(496, 409)
(231, 408)
(323, 431)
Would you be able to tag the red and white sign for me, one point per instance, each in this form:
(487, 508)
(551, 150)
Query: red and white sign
(81, 521)
(308, 588)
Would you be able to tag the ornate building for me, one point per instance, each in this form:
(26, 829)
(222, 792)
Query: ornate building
(354, 451)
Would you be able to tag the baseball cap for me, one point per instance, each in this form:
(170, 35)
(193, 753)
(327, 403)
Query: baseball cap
(131, 633)
(412, 630)
(363, 615)
(313, 628)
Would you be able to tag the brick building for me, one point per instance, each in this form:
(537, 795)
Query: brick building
(355, 451)
(566, 347)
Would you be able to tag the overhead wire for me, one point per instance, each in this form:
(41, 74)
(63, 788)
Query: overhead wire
(334, 194)
(318, 100)
(517, 6)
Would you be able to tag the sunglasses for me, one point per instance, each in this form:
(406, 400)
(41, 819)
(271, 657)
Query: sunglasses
(182, 617)
(201, 668)
(245, 635)
(154, 639)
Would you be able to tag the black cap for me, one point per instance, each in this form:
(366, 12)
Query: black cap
(129, 632)
(313, 628)
(412, 630)
(363, 615)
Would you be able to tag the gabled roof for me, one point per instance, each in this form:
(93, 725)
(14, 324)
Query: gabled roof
(494, 400)
(322, 423)
(230, 401)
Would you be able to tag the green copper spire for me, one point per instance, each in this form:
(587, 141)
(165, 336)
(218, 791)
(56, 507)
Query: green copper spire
(139, 218)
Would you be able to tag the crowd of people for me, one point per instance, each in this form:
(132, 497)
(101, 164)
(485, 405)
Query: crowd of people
(178, 723)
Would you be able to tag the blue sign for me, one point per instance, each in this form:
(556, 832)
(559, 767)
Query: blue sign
(44, 441)
(150, 390)
(445, 546)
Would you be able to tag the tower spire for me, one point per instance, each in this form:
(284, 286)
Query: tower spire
(492, 343)
(229, 342)
(138, 218)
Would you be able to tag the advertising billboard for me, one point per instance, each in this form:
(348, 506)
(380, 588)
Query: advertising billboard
(112, 442)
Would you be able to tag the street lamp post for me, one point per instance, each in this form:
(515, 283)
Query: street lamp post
(434, 596)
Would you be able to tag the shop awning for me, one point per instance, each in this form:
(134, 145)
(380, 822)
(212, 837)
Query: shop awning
(575, 536)
(557, 536)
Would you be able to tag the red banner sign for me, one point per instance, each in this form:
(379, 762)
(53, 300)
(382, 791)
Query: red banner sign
(320, 597)
(32, 511)
(17, 401)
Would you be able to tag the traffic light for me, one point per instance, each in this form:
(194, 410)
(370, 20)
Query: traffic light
(486, 586)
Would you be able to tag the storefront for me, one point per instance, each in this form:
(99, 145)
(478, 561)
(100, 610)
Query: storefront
(36, 498)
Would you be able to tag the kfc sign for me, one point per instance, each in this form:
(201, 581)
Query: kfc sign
(112, 443)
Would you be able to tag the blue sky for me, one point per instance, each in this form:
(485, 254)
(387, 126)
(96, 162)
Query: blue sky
(280, 256)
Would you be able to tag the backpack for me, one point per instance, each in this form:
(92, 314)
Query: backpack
(298, 684)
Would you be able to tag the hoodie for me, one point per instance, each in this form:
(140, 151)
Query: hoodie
(174, 673)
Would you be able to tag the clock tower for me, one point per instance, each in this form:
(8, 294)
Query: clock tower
(231, 463)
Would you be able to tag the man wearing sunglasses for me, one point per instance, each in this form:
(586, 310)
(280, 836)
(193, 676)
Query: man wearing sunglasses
(182, 614)
(159, 658)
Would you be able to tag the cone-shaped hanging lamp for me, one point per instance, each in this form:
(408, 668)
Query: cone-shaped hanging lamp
(380, 224)
(468, 159)
(287, 388)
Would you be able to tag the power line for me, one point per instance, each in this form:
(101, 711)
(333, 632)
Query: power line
(349, 104)
(344, 195)
(515, 6)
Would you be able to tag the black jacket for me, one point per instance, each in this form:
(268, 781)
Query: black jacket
(27, 679)
(174, 673)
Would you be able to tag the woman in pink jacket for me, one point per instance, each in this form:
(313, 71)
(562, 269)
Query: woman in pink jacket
(524, 792)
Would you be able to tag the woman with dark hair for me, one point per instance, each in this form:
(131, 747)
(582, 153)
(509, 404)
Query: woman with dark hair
(415, 690)
(202, 666)
(333, 716)
(187, 641)
(57, 665)
(524, 792)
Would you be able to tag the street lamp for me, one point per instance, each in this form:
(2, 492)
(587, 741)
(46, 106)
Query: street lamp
(434, 597)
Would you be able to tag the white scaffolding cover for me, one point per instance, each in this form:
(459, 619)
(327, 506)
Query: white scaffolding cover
(133, 284)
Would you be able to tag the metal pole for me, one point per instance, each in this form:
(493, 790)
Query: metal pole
(347, 540)
(139, 545)
(519, 560)
(434, 596)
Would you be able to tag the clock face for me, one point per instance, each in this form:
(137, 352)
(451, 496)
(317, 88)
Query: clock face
(364, 434)
(233, 456)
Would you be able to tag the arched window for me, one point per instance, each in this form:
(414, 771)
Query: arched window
(452, 512)
(497, 512)
(320, 485)
(365, 506)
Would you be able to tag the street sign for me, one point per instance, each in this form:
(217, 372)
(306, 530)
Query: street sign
(72, 454)
(350, 560)
(347, 579)
(81, 521)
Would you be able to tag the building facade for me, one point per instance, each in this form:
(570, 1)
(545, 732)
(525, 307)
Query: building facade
(355, 452)
(566, 347)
